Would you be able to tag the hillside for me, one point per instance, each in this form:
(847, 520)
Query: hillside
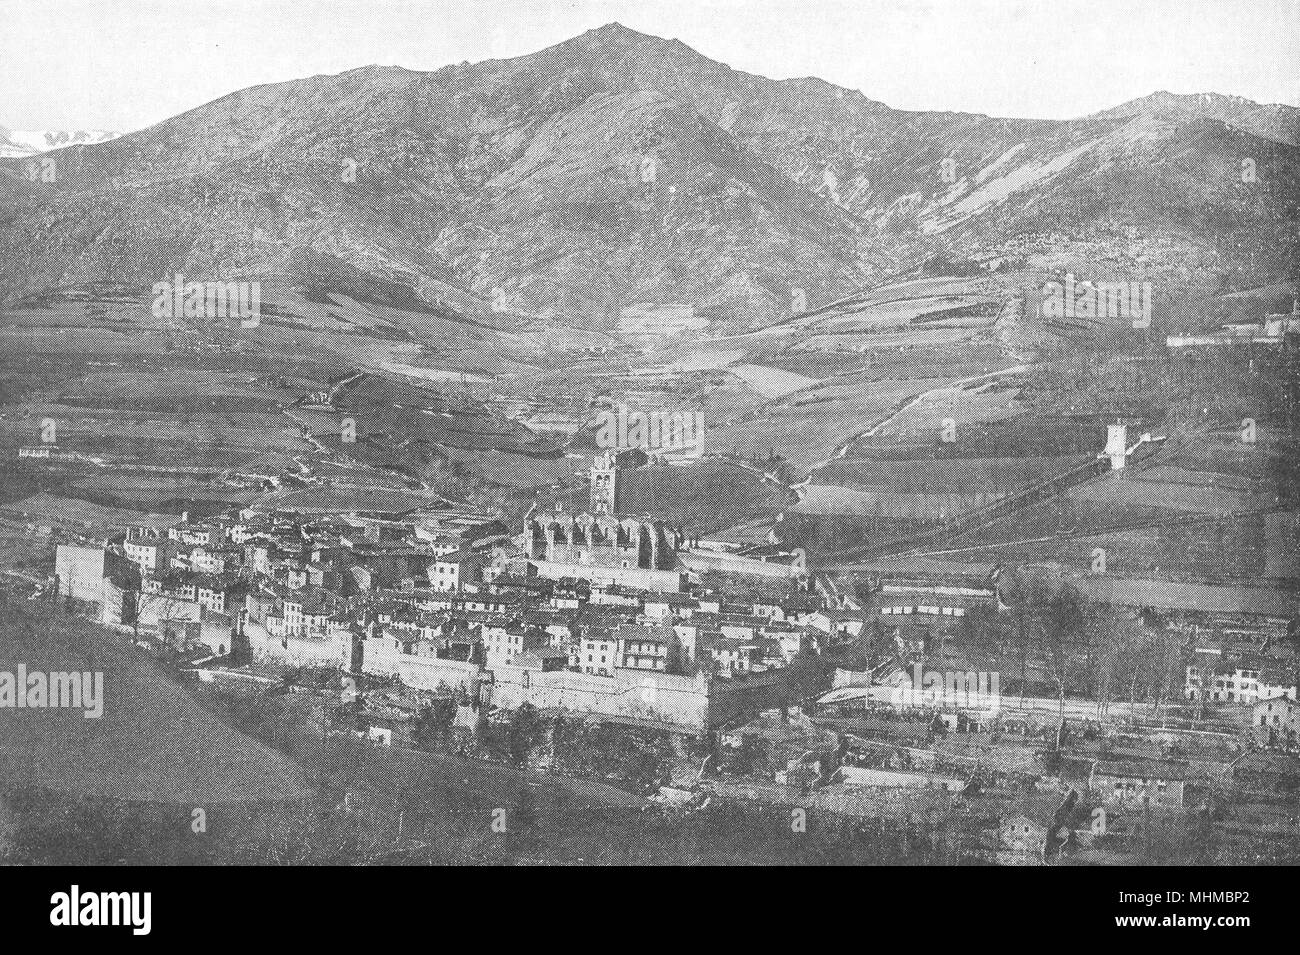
(617, 168)
(153, 743)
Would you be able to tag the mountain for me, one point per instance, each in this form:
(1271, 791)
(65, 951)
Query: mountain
(618, 169)
(1274, 121)
(19, 143)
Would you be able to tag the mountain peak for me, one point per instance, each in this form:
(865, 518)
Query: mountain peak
(1162, 100)
(612, 38)
(612, 34)
(1275, 121)
(616, 30)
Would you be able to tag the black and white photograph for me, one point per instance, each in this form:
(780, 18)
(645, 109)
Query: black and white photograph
(650, 433)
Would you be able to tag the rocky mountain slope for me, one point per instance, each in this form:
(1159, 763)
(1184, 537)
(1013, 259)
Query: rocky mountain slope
(618, 168)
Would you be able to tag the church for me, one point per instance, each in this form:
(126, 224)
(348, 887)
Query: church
(602, 544)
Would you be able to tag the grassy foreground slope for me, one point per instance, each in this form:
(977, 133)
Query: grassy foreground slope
(154, 743)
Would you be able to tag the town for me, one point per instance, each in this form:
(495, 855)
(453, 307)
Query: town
(894, 701)
(566, 447)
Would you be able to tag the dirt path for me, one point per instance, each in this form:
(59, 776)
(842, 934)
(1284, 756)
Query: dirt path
(958, 385)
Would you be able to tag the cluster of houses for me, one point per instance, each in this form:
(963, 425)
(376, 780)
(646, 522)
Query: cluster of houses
(578, 609)
(944, 719)
(1274, 329)
(1229, 668)
(363, 591)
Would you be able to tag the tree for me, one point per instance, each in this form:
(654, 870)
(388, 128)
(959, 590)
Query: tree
(1051, 618)
(434, 722)
(1119, 642)
(1135, 654)
(1026, 596)
(524, 731)
(752, 755)
(807, 675)
(1210, 669)
(1062, 628)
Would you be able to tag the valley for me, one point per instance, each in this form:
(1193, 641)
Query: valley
(306, 398)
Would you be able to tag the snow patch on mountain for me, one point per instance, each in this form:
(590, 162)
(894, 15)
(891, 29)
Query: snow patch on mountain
(17, 143)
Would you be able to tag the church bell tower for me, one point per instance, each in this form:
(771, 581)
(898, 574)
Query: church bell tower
(604, 484)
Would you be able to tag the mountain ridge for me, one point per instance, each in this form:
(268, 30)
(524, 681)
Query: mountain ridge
(617, 168)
